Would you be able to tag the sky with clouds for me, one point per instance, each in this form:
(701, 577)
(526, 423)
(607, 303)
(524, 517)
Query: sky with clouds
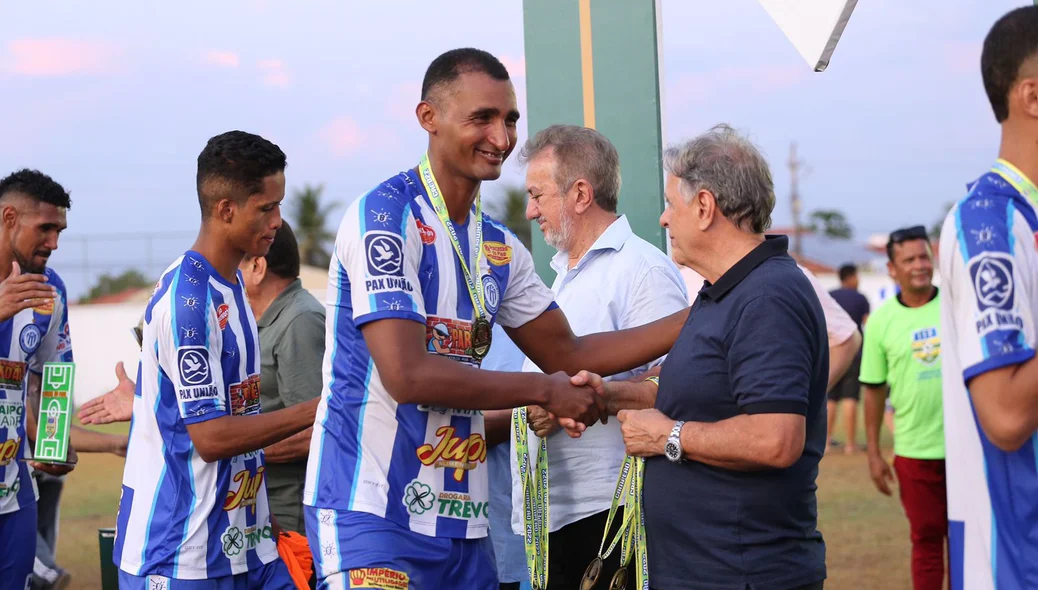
(116, 99)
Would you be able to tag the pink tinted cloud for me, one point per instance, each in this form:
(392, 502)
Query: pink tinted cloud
(224, 59)
(59, 57)
(341, 135)
(274, 72)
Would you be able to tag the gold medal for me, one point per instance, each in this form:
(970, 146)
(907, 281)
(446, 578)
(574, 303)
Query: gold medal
(619, 581)
(591, 574)
(481, 336)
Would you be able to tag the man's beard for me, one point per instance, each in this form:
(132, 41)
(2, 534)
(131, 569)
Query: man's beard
(561, 238)
(27, 265)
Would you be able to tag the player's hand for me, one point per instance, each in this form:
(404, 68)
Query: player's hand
(541, 421)
(881, 473)
(55, 469)
(22, 291)
(566, 400)
(114, 406)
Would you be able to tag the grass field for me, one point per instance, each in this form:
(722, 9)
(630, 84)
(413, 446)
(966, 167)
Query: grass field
(866, 534)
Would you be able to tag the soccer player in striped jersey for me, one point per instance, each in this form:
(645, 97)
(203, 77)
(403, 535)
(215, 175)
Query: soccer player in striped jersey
(989, 306)
(33, 331)
(396, 491)
(194, 512)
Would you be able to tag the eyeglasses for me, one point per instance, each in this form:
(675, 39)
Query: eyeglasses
(916, 232)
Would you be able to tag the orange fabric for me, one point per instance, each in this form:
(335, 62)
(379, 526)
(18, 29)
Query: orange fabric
(295, 552)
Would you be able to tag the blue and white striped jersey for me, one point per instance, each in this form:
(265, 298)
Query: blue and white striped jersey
(28, 340)
(989, 304)
(179, 516)
(418, 466)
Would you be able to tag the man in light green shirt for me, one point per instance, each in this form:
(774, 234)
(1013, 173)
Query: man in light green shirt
(902, 350)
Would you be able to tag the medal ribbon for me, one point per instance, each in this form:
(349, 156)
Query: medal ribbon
(436, 198)
(535, 500)
(631, 535)
(1016, 178)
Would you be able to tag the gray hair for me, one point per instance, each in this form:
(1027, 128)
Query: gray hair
(579, 153)
(732, 168)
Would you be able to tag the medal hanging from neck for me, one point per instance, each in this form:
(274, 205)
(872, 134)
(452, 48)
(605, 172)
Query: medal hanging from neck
(480, 332)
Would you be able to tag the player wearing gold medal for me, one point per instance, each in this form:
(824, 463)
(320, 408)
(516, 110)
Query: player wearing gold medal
(396, 492)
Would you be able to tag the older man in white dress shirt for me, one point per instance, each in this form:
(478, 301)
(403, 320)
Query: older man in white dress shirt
(607, 279)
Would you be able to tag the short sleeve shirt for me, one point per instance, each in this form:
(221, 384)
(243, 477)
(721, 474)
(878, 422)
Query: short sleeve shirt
(989, 271)
(291, 336)
(28, 340)
(421, 467)
(755, 342)
(902, 349)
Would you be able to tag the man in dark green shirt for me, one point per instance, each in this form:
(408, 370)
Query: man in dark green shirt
(291, 333)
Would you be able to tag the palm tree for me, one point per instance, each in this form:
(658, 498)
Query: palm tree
(309, 218)
(513, 214)
(833, 224)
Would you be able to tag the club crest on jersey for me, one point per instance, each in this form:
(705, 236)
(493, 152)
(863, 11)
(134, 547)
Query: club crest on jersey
(926, 346)
(385, 252)
(427, 233)
(992, 274)
(491, 293)
(379, 577)
(29, 338)
(497, 253)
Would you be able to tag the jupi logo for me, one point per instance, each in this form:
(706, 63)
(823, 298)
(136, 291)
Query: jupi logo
(8, 449)
(30, 338)
(462, 454)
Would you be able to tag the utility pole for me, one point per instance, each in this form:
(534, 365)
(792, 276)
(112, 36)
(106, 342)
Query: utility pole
(795, 168)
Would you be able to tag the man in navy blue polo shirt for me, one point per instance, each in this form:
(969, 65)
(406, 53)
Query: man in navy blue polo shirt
(734, 435)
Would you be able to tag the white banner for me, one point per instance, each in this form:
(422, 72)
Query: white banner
(813, 26)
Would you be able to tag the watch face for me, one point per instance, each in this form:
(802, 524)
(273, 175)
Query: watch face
(672, 451)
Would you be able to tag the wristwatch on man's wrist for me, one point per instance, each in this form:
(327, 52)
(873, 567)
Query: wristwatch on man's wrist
(672, 449)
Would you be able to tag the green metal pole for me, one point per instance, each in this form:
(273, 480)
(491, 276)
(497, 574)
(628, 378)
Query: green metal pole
(109, 573)
(597, 64)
